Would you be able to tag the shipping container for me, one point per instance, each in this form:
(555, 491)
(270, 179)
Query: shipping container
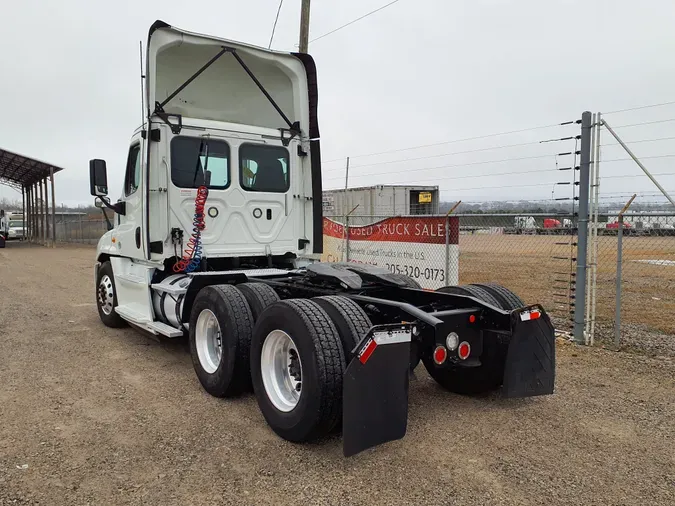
(382, 200)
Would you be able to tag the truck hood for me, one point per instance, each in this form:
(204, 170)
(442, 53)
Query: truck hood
(224, 91)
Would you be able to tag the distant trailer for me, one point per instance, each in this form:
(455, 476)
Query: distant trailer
(382, 200)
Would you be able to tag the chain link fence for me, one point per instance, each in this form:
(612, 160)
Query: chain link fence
(632, 271)
(80, 228)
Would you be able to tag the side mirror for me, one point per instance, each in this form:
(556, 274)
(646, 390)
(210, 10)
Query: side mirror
(98, 178)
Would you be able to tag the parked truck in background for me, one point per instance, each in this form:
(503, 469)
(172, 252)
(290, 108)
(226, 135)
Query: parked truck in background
(217, 237)
(4, 228)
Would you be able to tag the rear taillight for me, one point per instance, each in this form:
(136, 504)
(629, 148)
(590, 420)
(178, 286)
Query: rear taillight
(440, 354)
(464, 350)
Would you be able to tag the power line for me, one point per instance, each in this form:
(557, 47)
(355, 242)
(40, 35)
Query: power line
(639, 141)
(641, 158)
(538, 171)
(635, 175)
(450, 166)
(455, 141)
(639, 107)
(353, 21)
(281, 2)
(445, 154)
(646, 123)
(496, 187)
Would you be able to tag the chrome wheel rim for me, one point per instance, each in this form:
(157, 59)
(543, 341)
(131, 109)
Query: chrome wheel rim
(106, 295)
(281, 370)
(208, 340)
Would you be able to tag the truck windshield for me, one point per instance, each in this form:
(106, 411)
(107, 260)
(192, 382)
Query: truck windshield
(16, 224)
(191, 155)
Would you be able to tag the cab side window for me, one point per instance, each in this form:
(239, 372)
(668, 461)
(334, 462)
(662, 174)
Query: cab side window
(132, 177)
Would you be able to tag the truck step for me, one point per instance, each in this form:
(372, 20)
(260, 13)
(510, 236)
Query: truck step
(164, 329)
(130, 278)
(130, 314)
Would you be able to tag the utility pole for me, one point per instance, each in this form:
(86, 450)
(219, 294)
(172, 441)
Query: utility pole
(304, 26)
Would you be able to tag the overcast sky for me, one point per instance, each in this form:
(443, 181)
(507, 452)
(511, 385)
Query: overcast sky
(416, 73)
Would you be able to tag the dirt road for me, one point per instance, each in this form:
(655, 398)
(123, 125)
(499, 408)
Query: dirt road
(90, 415)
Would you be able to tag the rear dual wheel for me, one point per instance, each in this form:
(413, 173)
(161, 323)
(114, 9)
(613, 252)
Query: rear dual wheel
(297, 363)
(221, 325)
(489, 375)
(293, 355)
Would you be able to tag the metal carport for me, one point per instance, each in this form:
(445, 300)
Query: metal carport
(30, 176)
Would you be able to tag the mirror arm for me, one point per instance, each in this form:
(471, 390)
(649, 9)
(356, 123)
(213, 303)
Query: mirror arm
(105, 215)
(119, 207)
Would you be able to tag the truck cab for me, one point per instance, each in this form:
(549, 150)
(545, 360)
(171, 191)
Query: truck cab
(237, 121)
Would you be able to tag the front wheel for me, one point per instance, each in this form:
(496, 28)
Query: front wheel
(106, 297)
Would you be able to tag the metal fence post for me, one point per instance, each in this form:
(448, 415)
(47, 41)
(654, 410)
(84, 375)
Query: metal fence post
(347, 238)
(582, 244)
(617, 317)
(447, 247)
(447, 241)
(81, 231)
(619, 255)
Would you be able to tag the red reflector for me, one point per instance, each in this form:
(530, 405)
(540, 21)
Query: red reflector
(464, 350)
(534, 315)
(472, 318)
(440, 354)
(367, 351)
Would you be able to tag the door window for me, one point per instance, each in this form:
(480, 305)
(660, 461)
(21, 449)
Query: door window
(132, 177)
(264, 168)
(192, 156)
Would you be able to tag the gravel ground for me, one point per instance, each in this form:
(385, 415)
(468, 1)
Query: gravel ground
(90, 415)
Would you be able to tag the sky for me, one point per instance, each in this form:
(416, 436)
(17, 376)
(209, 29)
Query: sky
(419, 72)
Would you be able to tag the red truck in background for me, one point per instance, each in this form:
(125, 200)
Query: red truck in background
(551, 223)
(615, 225)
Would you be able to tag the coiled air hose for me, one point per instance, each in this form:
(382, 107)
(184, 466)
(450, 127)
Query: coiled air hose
(192, 255)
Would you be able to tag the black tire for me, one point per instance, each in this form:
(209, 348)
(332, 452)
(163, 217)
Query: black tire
(350, 319)
(472, 291)
(258, 296)
(319, 407)
(112, 319)
(232, 375)
(507, 299)
(473, 380)
(409, 282)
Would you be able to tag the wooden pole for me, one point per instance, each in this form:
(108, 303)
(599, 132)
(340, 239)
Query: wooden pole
(304, 26)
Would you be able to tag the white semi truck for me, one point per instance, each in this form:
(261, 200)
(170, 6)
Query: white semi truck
(217, 236)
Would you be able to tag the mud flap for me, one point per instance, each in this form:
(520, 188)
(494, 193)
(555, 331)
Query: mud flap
(375, 389)
(530, 361)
